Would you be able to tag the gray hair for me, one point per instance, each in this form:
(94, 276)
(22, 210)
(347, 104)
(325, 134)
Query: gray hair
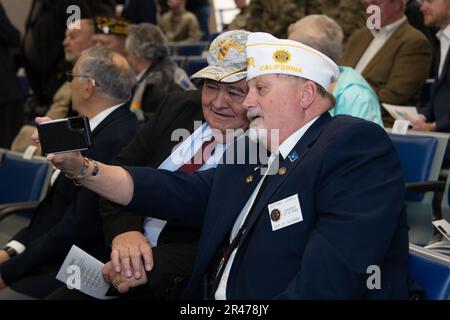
(319, 32)
(147, 40)
(111, 72)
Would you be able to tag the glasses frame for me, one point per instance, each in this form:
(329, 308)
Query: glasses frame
(70, 76)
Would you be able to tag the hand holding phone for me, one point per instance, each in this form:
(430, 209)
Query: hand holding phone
(65, 135)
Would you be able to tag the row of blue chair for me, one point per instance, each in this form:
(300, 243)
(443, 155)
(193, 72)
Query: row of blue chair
(191, 64)
(421, 156)
(23, 182)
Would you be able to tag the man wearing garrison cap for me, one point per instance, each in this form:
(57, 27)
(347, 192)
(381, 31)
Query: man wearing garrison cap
(314, 225)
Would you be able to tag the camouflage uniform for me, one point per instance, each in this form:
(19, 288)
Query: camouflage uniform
(349, 14)
(276, 16)
(240, 20)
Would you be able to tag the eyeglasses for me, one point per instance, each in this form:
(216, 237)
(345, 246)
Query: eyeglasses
(70, 76)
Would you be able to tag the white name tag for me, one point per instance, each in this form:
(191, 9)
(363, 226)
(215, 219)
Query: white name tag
(285, 212)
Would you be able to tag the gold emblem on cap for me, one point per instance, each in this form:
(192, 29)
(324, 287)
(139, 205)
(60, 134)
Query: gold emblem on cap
(249, 179)
(281, 56)
(275, 215)
(282, 171)
(225, 46)
(251, 62)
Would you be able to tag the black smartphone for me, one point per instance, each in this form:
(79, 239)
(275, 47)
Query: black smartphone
(65, 135)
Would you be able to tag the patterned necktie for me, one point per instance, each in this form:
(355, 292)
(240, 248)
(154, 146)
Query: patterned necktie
(199, 159)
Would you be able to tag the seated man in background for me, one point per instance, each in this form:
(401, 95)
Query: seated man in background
(148, 55)
(395, 59)
(179, 25)
(354, 96)
(111, 32)
(330, 211)
(219, 105)
(79, 36)
(100, 82)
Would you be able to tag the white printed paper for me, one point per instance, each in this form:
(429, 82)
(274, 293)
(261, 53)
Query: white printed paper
(83, 272)
(401, 112)
(400, 126)
(443, 227)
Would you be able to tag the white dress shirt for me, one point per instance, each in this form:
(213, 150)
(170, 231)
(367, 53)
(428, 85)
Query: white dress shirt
(284, 149)
(444, 39)
(93, 123)
(182, 154)
(380, 37)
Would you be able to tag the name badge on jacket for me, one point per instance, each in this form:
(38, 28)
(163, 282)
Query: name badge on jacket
(285, 212)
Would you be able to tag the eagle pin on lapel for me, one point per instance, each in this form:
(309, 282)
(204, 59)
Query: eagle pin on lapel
(249, 179)
(282, 171)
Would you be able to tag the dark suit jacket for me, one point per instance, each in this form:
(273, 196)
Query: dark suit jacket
(351, 189)
(140, 11)
(399, 70)
(438, 109)
(67, 215)
(9, 38)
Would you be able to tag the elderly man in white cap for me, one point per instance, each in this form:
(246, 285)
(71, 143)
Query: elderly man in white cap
(321, 226)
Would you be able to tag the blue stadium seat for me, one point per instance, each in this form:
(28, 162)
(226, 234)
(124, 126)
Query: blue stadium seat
(420, 163)
(23, 180)
(194, 64)
(431, 271)
(190, 49)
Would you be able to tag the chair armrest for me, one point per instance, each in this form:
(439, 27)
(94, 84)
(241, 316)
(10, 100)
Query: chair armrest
(428, 186)
(9, 209)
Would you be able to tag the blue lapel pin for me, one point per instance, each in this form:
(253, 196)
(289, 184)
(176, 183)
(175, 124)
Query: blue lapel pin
(293, 156)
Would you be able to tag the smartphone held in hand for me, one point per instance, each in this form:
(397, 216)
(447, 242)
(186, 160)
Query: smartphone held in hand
(65, 135)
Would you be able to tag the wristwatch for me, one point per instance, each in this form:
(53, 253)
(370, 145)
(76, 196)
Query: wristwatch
(10, 251)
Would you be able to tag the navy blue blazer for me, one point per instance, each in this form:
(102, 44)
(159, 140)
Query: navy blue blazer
(438, 110)
(351, 191)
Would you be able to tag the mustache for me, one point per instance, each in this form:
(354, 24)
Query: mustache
(252, 113)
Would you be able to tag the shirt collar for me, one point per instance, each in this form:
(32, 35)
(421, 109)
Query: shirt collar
(289, 144)
(444, 33)
(95, 121)
(389, 29)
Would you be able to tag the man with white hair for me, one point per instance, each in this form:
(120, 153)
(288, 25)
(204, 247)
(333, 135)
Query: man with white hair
(354, 96)
(326, 211)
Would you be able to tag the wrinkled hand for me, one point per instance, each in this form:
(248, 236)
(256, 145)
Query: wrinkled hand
(128, 250)
(421, 124)
(121, 283)
(3, 256)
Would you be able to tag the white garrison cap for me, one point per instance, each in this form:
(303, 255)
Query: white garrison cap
(269, 55)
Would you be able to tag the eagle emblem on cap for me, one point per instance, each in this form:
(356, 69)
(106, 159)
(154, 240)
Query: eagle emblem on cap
(281, 56)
